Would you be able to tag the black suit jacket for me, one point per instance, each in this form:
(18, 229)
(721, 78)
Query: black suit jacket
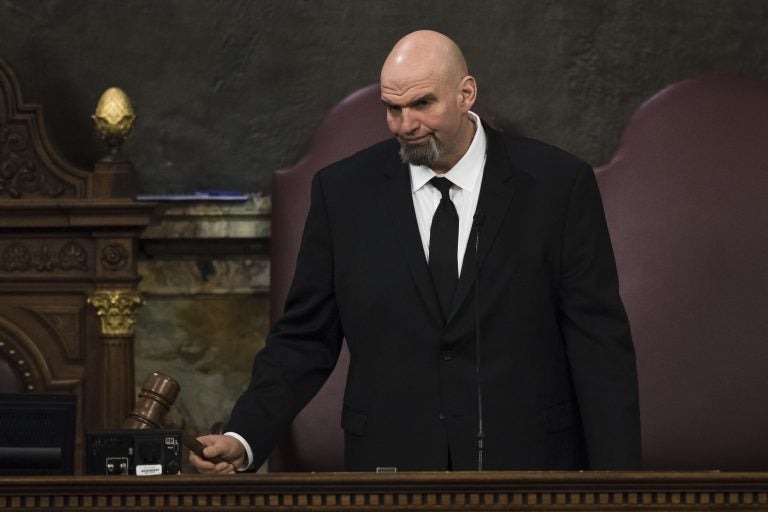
(558, 368)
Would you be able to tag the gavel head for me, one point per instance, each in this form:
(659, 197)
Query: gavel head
(157, 395)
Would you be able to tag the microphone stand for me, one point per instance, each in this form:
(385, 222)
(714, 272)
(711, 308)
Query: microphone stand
(478, 221)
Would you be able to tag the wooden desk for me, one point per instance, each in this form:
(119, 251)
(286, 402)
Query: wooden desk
(393, 491)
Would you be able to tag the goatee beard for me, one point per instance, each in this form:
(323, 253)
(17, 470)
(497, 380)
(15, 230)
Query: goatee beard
(426, 153)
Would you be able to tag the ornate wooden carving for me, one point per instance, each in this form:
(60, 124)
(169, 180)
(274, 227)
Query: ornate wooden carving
(43, 256)
(29, 166)
(550, 491)
(66, 235)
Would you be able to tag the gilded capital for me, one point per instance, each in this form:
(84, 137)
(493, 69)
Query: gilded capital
(117, 310)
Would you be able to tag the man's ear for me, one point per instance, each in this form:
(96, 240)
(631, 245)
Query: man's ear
(467, 93)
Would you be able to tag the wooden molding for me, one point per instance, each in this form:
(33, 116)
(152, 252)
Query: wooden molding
(509, 491)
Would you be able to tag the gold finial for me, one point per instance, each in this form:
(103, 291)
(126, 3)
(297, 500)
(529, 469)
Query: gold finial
(114, 119)
(117, 310)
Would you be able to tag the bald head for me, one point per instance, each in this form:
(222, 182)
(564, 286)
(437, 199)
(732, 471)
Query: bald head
(428, 94)
(425, 52)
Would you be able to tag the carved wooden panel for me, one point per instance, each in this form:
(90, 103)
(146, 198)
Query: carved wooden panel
(33, 257)
(46, 358)
(29, 167)
(66, 235)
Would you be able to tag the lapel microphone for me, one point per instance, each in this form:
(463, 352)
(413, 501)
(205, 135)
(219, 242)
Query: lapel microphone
(477, 223)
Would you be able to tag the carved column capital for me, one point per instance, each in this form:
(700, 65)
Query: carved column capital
(117, 310)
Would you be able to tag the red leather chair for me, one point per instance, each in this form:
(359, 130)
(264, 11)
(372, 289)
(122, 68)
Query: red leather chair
(315, 441)
(686, 198)
(10, 380)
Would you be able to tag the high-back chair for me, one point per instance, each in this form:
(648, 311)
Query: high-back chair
(315, 441)
(686, 199)
(10, 378)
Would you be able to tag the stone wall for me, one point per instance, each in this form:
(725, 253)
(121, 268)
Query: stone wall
(228, 90)
(205, 284)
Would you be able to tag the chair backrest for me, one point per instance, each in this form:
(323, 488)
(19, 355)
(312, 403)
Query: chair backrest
(10, 378)
(315, 441)
(686, 198)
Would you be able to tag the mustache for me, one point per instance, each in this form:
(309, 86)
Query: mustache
(426, 152)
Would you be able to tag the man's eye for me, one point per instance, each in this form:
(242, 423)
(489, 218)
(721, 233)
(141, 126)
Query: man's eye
(421, 104)
(393, 108)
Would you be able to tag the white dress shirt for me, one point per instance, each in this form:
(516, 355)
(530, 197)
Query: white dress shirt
(466, 176)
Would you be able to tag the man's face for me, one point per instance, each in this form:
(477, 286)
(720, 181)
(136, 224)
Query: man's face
(425, 115)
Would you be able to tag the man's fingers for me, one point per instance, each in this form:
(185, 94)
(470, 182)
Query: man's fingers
(224, 468)
(202, 465)
(212, 451)
(217, 446)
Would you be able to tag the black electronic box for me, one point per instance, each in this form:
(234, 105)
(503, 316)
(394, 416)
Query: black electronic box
(37, 433)
(133, 452)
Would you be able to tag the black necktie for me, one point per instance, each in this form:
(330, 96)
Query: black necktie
(443, 243)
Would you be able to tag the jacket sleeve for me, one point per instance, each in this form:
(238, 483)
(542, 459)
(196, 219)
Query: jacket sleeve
(302, 348)
(597, 334)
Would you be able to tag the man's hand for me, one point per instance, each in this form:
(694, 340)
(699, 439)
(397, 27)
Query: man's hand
(225, 447)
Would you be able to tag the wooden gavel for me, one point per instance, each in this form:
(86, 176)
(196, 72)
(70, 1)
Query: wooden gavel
(157, 395)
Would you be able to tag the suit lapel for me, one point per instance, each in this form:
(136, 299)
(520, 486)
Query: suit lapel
(399, 200)
(498, 186)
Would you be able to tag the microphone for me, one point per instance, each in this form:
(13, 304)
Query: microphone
(477, 223)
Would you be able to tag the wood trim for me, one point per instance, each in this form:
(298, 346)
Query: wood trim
(65, 234)
(550, 491)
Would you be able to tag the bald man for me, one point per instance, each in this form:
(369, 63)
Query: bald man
(390, 260)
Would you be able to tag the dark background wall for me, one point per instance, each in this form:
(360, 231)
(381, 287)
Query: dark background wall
(226, 91)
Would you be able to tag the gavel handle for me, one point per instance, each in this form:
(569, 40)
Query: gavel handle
(196, 447)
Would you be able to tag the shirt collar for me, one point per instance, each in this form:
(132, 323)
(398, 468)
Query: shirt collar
(464, 173)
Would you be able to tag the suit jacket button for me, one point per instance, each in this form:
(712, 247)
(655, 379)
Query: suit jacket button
(442, 416)
(447, 355)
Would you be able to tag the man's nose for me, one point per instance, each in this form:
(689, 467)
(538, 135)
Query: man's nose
(409, 122)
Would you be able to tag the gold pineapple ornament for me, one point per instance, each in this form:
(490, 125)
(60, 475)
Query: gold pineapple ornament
(114, 119)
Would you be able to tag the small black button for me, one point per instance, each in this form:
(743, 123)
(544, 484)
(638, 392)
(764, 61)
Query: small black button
(447, 355)
(442, 416)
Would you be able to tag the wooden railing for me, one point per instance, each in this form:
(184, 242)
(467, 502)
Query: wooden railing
(509, 491)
